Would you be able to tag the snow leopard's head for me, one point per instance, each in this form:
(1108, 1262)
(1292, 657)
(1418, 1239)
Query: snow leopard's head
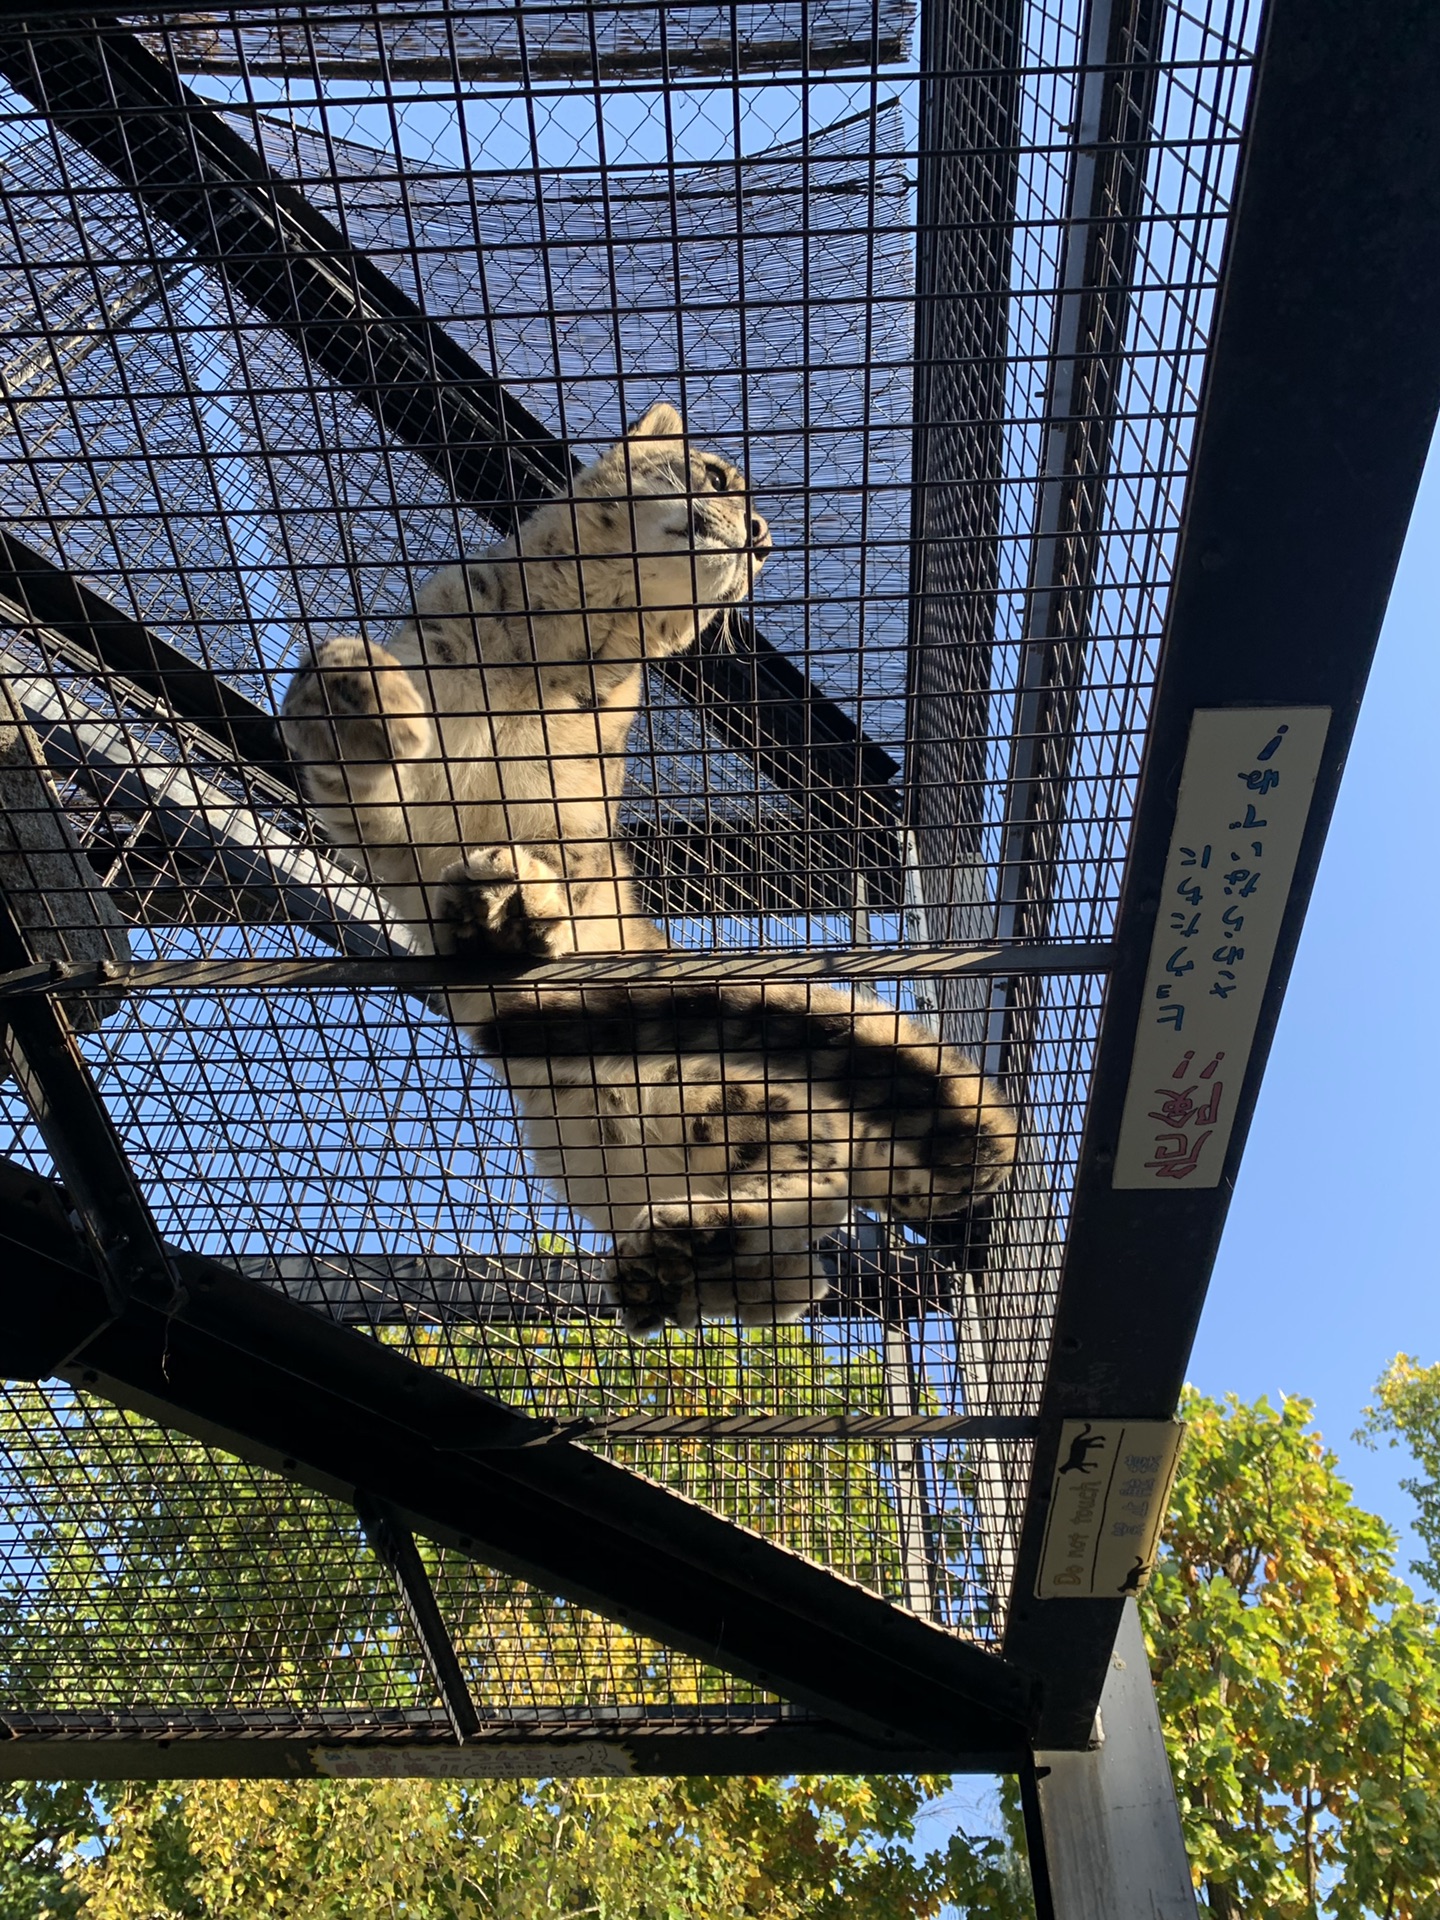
(676, 524)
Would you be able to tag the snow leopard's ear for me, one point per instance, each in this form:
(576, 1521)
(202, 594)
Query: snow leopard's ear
(660, 422)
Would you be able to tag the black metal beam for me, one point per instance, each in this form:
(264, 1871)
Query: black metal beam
(194, 837)
(377, 1290)
(873, 1277)
(535, 1743)
(1105, 197)
(105, 91)
(43, 865)
(880, 37)
(1105, 172)
(966, 177)
(679, 862)
(38, 1042)
(757, 701)
(809, 1427)
(234, 1364)
(1320, 399)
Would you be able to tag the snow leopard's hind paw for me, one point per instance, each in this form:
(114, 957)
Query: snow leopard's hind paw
(503, 900)
(682, 1262)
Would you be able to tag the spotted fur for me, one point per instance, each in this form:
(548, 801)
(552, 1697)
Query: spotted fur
(475, 770)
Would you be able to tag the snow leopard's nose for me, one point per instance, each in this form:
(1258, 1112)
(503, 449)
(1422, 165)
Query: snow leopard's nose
(759, 534)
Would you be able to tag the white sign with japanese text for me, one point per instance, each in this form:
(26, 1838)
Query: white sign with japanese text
(1245, 796)
(1108, 1502)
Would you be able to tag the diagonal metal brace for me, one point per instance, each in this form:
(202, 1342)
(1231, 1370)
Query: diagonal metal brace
(394, 1545)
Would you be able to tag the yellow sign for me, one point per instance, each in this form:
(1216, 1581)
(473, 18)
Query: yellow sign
(1107, 1505)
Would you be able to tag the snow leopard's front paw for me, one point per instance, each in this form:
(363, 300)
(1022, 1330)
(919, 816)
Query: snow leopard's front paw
(503, 900)
(350, 713)
(681, 1261)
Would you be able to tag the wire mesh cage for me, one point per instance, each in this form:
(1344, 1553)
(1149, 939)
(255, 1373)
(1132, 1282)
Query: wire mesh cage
(304, 304)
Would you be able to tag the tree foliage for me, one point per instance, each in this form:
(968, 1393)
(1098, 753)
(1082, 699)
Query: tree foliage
(1297, 1679)
(1407, 1412)
(724, 1849)
(43, 1828)
(154, 1564)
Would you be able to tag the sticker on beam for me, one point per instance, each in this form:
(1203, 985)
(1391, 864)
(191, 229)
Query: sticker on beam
(1108, 1501)
(1245, 795)
(477, 1760)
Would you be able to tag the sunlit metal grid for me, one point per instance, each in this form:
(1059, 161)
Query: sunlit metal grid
(942, 288)
(153, 1587)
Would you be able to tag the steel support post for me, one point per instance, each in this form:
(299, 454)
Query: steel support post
(1103, 1827)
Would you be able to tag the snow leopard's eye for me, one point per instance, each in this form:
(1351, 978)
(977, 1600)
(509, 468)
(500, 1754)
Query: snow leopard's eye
(719, 479)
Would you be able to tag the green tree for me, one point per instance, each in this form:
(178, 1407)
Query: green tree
(1298, 1680)
(43, 1829)
(1407, 1412)
(727, 1849)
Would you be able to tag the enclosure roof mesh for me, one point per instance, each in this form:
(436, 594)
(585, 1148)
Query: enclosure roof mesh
(852, 260)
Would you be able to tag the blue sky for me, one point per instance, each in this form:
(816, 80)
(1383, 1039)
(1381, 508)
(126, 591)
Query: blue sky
(1329, 1265)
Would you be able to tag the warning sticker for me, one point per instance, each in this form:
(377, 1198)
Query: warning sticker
(1107, 1505)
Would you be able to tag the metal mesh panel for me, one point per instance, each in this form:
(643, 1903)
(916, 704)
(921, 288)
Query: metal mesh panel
(942, 290)
(151, 1581)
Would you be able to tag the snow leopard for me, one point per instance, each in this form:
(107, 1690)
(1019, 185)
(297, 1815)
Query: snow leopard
(474, 769)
